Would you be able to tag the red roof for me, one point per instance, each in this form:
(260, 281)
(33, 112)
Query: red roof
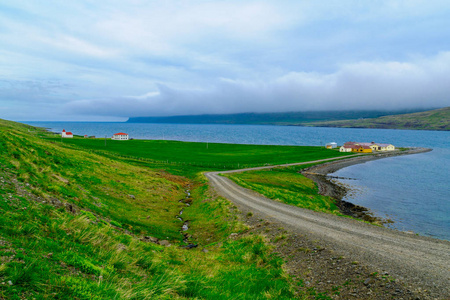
(68, 133)
(120, 133)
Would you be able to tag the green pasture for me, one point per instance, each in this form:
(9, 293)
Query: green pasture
(205, 155)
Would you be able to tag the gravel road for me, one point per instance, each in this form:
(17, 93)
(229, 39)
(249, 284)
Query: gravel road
(422, 261)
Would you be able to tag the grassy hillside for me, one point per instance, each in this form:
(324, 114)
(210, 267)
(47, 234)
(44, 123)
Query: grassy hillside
(438, 119)
(73, 222)
(83, 222)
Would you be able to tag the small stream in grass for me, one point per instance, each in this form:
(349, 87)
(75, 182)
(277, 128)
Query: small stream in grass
(185, 227)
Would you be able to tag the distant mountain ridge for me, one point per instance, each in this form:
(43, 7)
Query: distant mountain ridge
(287, 118)
(437, 119)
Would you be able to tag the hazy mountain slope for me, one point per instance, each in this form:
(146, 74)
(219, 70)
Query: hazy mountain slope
(438, 119)
(285, 118)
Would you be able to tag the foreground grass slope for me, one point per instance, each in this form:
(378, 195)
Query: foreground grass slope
(72, 225)
(438, 119)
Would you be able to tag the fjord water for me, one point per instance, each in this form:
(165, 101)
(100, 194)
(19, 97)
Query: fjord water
(412, 190)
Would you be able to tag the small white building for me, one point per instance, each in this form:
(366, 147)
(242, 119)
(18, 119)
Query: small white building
(120, 136)
(66, 134)
(331, 145)
(386, 147)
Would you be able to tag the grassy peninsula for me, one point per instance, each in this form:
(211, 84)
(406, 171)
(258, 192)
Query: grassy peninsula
(438, 119)
(82, 220)
(286, 185)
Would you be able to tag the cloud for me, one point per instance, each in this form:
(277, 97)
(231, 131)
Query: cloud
(26, 91)
(421, 83)
(115, 58)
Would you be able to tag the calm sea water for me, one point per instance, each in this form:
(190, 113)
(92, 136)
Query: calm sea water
(413, 190)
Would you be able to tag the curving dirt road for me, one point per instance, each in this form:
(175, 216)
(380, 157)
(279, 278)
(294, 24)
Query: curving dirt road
(417, 260)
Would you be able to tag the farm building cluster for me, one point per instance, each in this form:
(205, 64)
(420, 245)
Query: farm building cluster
(366, 147)
(117, 136)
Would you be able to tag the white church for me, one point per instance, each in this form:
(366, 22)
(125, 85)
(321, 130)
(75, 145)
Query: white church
(66, 134)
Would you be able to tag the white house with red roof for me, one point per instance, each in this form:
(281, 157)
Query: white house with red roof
(66, 134)
(120, 136)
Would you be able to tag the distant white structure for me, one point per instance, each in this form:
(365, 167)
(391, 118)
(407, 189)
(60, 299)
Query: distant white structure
(331, 145)
(66, 134)
(385, 147)
(345, 149)
(120, 136)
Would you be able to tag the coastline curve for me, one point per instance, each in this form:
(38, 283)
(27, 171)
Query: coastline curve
(418, 260)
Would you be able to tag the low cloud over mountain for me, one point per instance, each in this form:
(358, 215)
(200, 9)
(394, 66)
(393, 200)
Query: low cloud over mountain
(420, 83)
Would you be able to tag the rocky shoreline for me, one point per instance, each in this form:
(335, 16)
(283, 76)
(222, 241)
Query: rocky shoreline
(328, 187)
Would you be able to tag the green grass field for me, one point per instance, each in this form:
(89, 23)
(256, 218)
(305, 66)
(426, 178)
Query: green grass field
(73, 216)
(207, 156)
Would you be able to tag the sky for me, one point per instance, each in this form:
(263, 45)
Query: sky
(109, 60)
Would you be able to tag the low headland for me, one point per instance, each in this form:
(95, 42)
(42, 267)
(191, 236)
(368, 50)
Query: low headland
(437, 119)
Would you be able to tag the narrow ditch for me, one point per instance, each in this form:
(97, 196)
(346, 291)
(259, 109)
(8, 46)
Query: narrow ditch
(185, 227)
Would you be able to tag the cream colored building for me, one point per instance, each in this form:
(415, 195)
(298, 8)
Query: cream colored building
(345, 149)
(386, 147)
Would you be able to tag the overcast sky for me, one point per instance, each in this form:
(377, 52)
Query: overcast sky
(109, 60)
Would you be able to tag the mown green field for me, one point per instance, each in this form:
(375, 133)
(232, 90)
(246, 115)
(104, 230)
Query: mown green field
(74, 217)
(206, 156)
